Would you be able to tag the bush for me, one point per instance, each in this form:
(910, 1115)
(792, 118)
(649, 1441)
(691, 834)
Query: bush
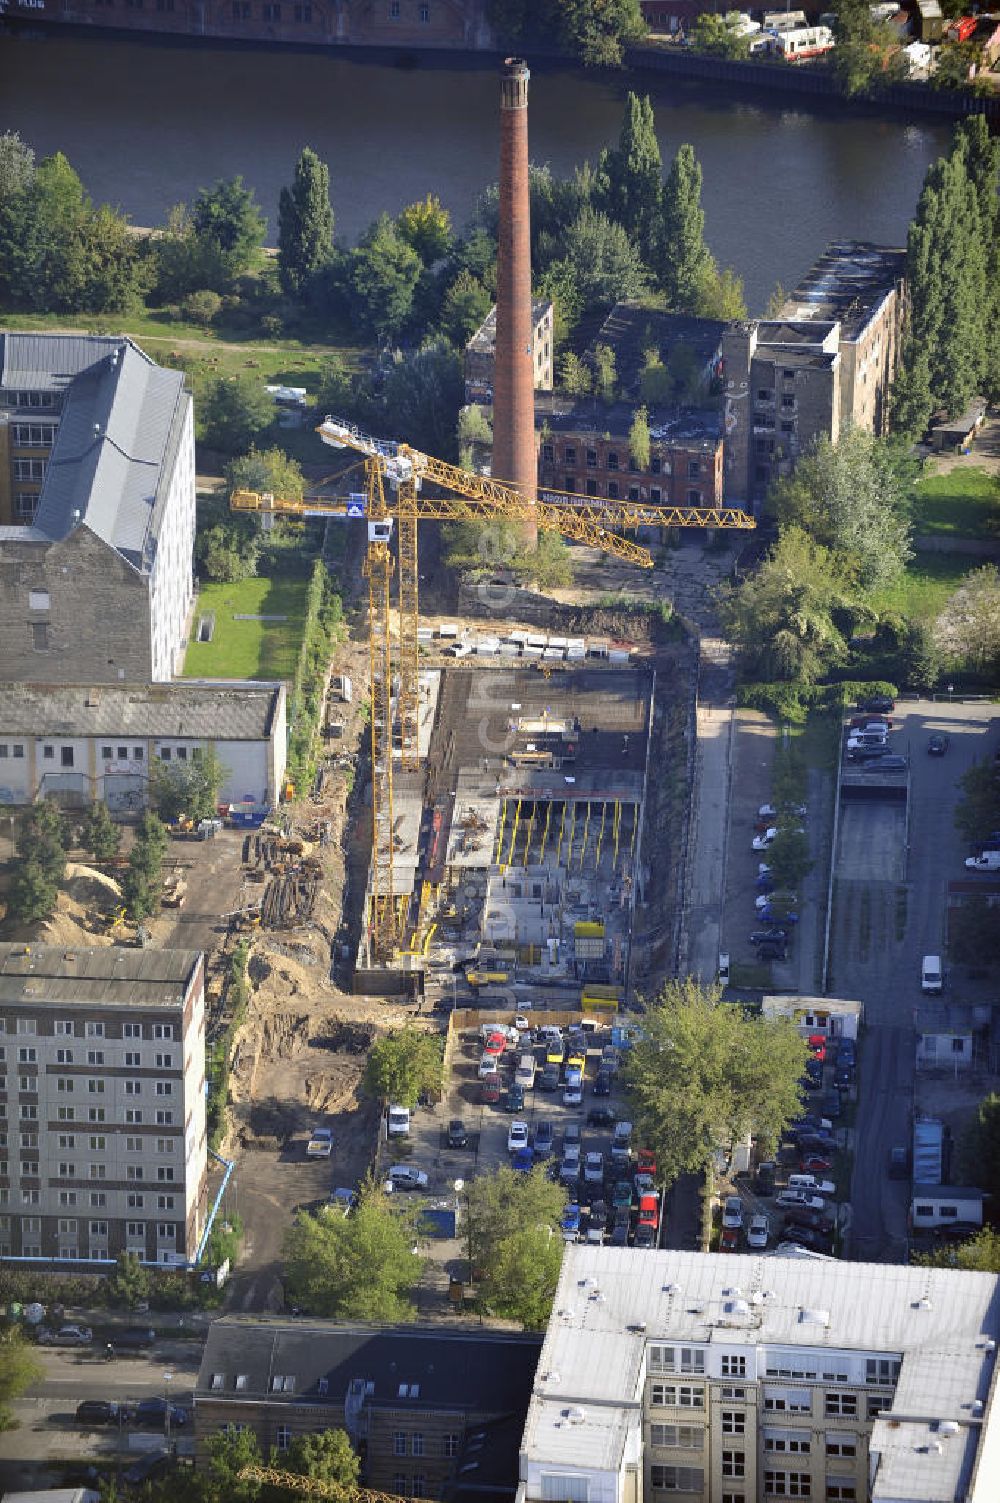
(202, 307)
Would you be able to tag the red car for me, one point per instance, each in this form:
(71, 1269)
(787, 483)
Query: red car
(495, 1044)
(649, 1211)
(489, 1092)
(645, 1162)
(815, 1163)
(817, 1046)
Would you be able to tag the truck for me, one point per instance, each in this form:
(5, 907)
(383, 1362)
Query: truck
(986, 861)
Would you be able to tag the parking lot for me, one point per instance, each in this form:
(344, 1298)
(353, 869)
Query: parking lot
(487, 1123)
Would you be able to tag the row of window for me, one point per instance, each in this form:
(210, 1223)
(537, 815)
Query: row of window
(70, 1028)
(27, 1111)
(67, 1142)
(657, 465)
(766, 394)
(790, 1401)
(28, 1055)
(40, 399)
(412, 1443)
(108, 753)
(29, 469)
(691, 1479)
(32, 1225)
(613, 492)
(66, 1084)
(764, 420)
(34, 435)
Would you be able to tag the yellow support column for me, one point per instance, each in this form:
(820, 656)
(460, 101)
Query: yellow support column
(500, 829)
(545, 832)
(513, 834)
(531, 831)
(562, 831)
(600, 833)
(572, 836)
(586, 836)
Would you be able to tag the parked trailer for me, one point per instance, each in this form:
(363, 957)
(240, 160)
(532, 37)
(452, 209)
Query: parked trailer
(800, 43)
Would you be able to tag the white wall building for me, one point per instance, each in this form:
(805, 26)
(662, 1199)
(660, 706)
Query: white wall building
(742, 1378)
(81, 744)
(836, 1017)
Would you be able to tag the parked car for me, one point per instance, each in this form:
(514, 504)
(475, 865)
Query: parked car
(867, 718)
(732, 1211)
(99, 1412)
(812, 1186)
(573, 1095)
(619, 1235)
(880, 703)
(805, 1236)
(772, 936)
(569, 1169)
(602, 1083)
(570, 1222)
(801, 1199)
(778, 915)
(571, 1135)
(517, 1136)
(645, 1162)
(397, 1124)
(494, 1043)
(542, 1140)
(66, 1336)
(899, 1162)
(488, 1067)
(133, 1338)
(593, 1169)
(847, 1052)
(549, 1079)
(758, 1231)
(457, 1135)
(763, 1180)
(621, 1194)
(729, 1239)
(814, 1067)
(843, 1077)
(597, 1222)
(815, 1163)
(645, 1235)
(956, 1231)
(602, 1116)
(814, 1142)
(771, 811)
(154, 1412)
(820, 1221)
(148, 1467)
(514, 1101)
(523, 1160)
(816, 1043)
(649, 1211)
(766, 838)
(937, 745)
(489, 1091)
(405, 1177)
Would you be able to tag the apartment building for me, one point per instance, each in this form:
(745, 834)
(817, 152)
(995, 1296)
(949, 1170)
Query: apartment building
(421, 1406)
(102, 1111)
(823, 365)
(741, 1379)
(80, 744)
(583, 446)
(480, 354)
(97, 510)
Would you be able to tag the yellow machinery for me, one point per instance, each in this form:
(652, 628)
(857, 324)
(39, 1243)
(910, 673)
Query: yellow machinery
(315, 1486)
(469, 498)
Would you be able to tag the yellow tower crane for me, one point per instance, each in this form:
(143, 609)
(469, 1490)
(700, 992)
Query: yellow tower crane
(468, 497)
(315, 1486)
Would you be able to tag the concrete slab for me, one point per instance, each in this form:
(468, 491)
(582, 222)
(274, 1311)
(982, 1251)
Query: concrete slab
(871, 845)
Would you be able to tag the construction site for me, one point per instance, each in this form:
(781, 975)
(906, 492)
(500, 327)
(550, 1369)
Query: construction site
(517, 850)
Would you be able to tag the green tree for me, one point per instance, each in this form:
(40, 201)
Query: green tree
(188, 789)
(323, 1455)
(854, 498)
(865, 50)
(980, 1254)
(422, 395)
(974, 934)
(978, 810)
(266, 470)
(638, 438)
(99, 834)
(980, 1147)
(599, 30)
(229, 1452)
(305, 225)
(718, 35)
(683, 256)
(41, 250)
(788, 855)
(227, 219)
(919, 662)
(19, 1368)
(516, 1254)
(607, 265)
(383, 275)
(782, 617)
(357, 1267)
(112, 270)
(960, 66)
(982, 160)
(142, 880)
(550, 562)
(719, 293)
(235, 410)
(402, 1065)
(130, 1281)
(202, 307)
(465, 306)
(183, 262)
(17, 166)
(703, 1075)
(605, 371)
(426, 228)
(967, 632)
(32, 893)
(574, 375)
(633, 175)
(44, 837)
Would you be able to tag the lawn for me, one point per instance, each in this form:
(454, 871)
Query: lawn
(930, 578)
(963, 502)
(249, 649)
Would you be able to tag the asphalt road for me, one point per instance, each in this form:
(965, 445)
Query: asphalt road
(889, 912)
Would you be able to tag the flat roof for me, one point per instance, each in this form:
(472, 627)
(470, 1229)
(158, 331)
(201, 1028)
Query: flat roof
(484, 340)
(848, 282)
(631, 329)
(201, 709)
(687, 427)
(110, 976)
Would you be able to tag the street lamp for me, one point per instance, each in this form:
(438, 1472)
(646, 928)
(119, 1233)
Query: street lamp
(166, 1413)
(459, 1187)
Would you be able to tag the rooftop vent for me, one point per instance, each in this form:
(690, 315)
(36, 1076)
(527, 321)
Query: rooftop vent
(814, 1317)
(637, 1326)
(567, 1312)
(987, 1343)
(671, 1288)
(733, 1293)
(575, 1415)
(948, 1427)
(976, 1406)
(932, 1448)
(922, 1304)
(552, 1376)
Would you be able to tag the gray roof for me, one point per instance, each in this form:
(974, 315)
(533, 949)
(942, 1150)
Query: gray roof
(109, 976)
(847, 283)
(685, 427)
(949, 1192)
(631, 329)
(120, 424)
(467, 1371)
(196, 710)
(484, 341)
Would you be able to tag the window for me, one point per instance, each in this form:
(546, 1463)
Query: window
(134, 1202)
(163, 1030)
(569, 482)
(734, 1464)
(271, 12)
(881, 1369)
(788, 402)
(734, 1366)
(417, 1444)
(163, 1118)
(29, 1198)
(164, 1061)
(98, 1200)
(48, 752)
(591, 459)
(63, 1028)
(64, 1083)
(840, 1403)
(548, 453)
(98, 1228)
(164, 1088)
(29, 1168)
(676, 1359)
(95, 1056)
(788, 375)
(66, 1228)
(132, 1060)
(283, 1437)
(787, 1442)
(677, 1396)
(164, 1202)
(876, 1404)
(182, 754)
(26, 1025)
(132, 1031)
(28, 1113)
(677, 1479)
(841, 1445)
(64, 1056)
(734, 1422)
(788, 427)
(633, 493)
(133, 1171)
(241, 10)
(418, 1487)
(612, 459)
(167, 1232)
(136, 1229)
(303, 12)
(133, 1087)
(165, 753)
(655, 495)
(133, 1116)
(95, 1114)
(840, 1492)
(425, 15)
(694, 498)
(27, 1056)
(95, 1030)
(591, 487)
(450, 1445)
(66, 756)
(67, 1197)
(66, 1113)
(612, 490)
(569, 454)
(399, 1483)
(98, 1171)
(765, 394)
(734, 1498)
(95, 1087)
(694, 469)
(792, 1400)
(29, 469)
(788, 1484)
(734, 1393)
(688, 1437)
(399, 1442)
(165, 1174)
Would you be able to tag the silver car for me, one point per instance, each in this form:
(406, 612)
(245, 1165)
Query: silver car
(405, 1177)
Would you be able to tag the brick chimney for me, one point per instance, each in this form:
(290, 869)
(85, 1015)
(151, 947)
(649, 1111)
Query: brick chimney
(514, 386)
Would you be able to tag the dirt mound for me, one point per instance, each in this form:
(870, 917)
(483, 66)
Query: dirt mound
(87, 885)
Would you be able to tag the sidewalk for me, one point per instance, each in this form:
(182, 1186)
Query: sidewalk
(708, 832)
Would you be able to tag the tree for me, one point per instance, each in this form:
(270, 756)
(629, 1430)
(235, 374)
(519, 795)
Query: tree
(404, 1064)
(574, 375)
(143, 877)
(704, 1075)
(130, 1281)
(978, 810)
(305, 225)
(32, 893)
(325, 1456)
(632, 175)
(719, 293)
(853, 497)
(918, 662)
(638, 439)
(550, 562)
(383, 275)
(426, 228)
(19, 1368)
(974, 934)
(202, 307)
(967, 632)
(188, 789)
(99, 834)
(227, 219)
(422, 395)
(44, 837)
(266, 470)
(982, 159)
(782, 617)
(229, 1453)
(718, 35)
(357, 1267)
(605, 371)
(960, 66)
(17, 166)
(980, 1254)
(599, 30)
(788, 855)
(980, 1147)
(607, 265)
(515, 1256)
(683, 255)
(234, 411)
(866, 49)
(465, 306)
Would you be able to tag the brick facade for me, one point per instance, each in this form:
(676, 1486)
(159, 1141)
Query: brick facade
(587, 463)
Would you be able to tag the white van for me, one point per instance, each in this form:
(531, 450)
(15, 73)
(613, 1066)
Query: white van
(931, 975)
(399, 1121)
(525, 1073)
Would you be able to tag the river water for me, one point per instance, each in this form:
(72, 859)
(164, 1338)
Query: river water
(147, 122)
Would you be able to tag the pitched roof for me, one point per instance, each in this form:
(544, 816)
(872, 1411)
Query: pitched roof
(190, 709)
